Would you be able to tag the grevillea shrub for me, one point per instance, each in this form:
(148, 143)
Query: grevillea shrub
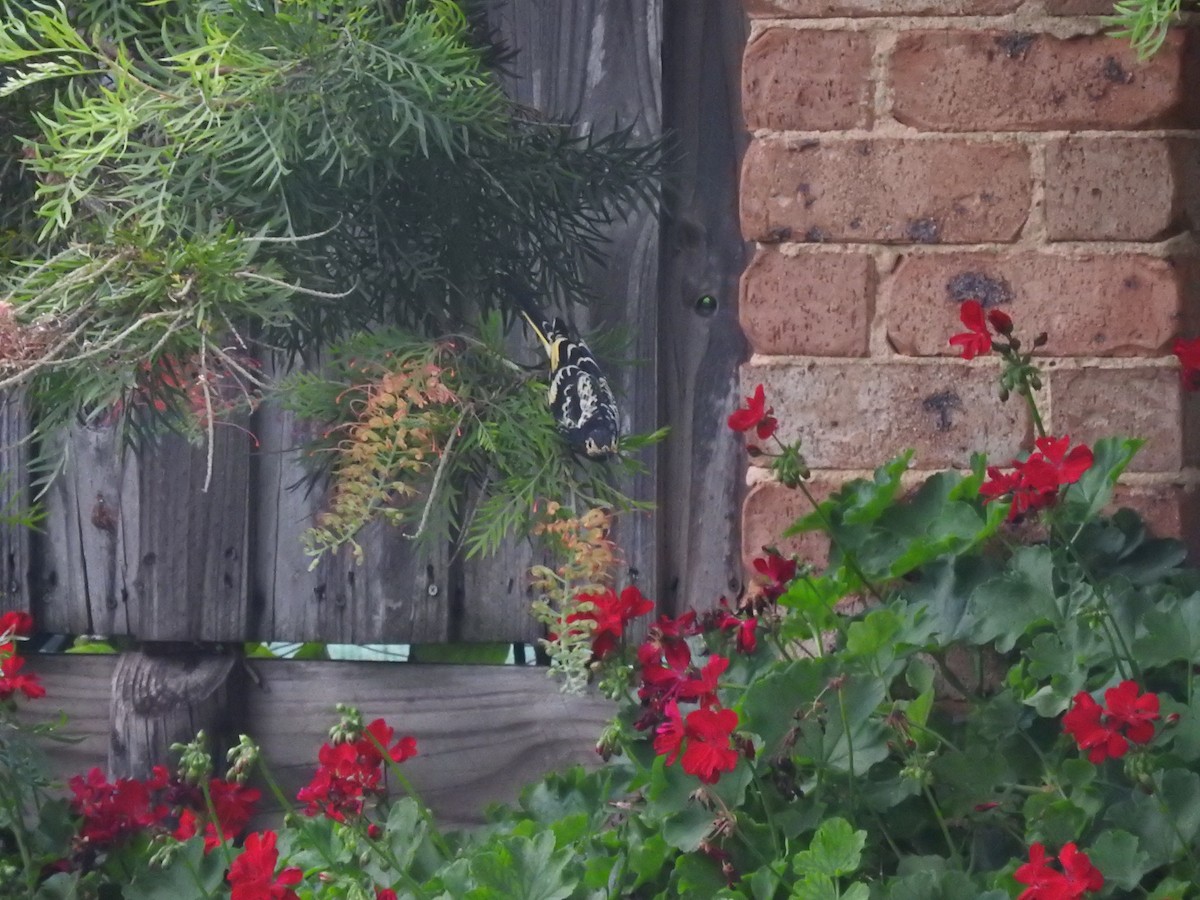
(989, 691)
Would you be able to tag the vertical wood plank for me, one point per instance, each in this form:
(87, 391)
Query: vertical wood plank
(399, 594)
(599, 62)
(703, 255)
(15, 565)
(89, 533)
(190, 572)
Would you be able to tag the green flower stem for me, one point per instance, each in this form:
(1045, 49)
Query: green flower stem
(762, 798)
(216, 821)
(851, 562)
(17, 820)
(394, 767)
(1038, 425)
(941, 821)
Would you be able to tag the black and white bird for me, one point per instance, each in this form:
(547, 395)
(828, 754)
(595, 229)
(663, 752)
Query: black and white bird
(580, 398)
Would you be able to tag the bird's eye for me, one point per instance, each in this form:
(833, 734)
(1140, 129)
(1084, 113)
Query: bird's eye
(706, 305)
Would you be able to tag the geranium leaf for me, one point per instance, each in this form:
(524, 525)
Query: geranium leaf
(836, 850)
(1115, 853)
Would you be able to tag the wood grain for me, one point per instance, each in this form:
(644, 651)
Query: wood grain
(599, 62)
(15, 563)
(703, 255)
(399, 594)
(483, 732)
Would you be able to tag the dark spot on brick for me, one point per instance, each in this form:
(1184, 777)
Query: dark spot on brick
(987, 196)
(1015, 44)
(1096, 192)
(1058, 98)
(808, 144)
(862, 148)
(855, 223)
(1115, 72)
(804, 189)
(816, 235)
(776, 235)
(943, 404)
(1131, 283)
(987, 290)
(923, 231)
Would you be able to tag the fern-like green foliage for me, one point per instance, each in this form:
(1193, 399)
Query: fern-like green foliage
(447, 439)
(190, 185)
(1144, 23)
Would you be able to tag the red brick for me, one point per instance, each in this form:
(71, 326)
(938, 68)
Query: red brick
(811, 303)
(1169, 510)
(1118, 188)
(812, 80)
(1089, 305)
(885, 189)
(770, 508)
(1079, 7)
(817, 9)
(1145, 402)
(858, 415)
(996, 81)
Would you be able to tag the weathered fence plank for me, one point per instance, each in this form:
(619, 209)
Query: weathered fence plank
(482, 732)
(85, 550)
(600, 61)
(399, 594)
(15, 563)
(700, 342)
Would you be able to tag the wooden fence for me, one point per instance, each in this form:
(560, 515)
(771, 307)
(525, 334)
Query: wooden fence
(133, 546)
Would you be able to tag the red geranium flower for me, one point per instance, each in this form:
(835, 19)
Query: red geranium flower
(1133, 713)
(252, 875)
(11, 681)
(976, 340)
(611, 613)
(1000, 320)
(669, 734)
(112, 812)
(1084, 721)
(1106, 733)
(1077, 878)
(350, 770)
(754, 415)
(776, 571)
(13, 623)
(1034, 483)
(1188, 352)
(709, 748)
(703, 688)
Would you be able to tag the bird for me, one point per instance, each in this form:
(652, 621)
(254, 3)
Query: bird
(579, 395)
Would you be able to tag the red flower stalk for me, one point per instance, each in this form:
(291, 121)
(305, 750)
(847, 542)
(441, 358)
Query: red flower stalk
(12, 681)
(776, 573)
(976, 340)
(707, 733)
(234, 805)
(1188, 352)
(1078, 875)
(15, 623)
(1034, 483)
(112, 812)
(350, 771)
(754, 414)
(1106, 733)
(252, 875)
(611, 613)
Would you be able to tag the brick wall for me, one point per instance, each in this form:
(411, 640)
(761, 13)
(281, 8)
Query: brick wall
(906, 155)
